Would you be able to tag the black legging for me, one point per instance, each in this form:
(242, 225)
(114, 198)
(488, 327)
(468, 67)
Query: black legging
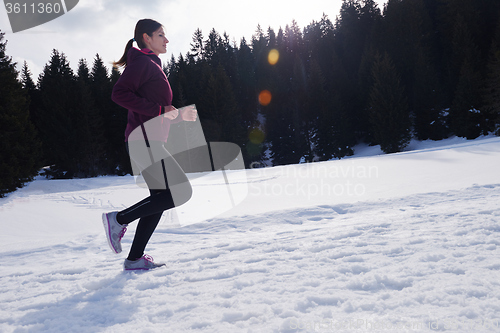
(150, 210)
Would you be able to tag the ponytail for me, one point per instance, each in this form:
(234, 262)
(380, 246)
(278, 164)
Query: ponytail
(123, 60)
(145, 26)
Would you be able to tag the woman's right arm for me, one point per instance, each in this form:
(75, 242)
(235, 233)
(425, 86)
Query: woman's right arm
(125, 91)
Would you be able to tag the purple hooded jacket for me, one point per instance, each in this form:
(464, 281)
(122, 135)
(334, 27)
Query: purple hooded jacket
(143, 89)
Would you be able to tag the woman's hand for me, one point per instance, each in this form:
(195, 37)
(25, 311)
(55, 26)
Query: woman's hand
(170, 112)
(189, 113)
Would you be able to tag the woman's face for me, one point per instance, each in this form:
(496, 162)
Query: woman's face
(158, 42)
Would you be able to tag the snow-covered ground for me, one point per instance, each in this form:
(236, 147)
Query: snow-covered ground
(407, 242)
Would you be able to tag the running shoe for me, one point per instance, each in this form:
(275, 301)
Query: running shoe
(144, 263)
(114, 231)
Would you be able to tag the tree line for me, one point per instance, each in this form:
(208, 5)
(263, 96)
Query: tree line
(424, 69)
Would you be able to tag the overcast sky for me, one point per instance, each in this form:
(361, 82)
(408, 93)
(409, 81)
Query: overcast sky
(105, 26)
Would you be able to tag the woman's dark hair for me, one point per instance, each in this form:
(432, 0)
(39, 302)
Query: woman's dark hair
(147, 26)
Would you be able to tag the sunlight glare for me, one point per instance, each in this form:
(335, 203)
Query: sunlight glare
(265, 97)
(256, 136)
(273, 57)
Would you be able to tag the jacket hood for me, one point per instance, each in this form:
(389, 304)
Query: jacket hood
(134, 54)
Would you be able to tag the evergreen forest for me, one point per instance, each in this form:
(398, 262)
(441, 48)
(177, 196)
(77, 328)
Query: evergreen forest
(423, 69)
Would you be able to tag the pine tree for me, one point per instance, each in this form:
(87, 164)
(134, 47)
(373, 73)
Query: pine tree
(302, 132)
(352, 37)
(90, 146)
(491, 90)
(319, 131)
(118, 116)
(246, 85)
(466, 118)
(389, 107)
(217, 108)
(32, 92)
(427, 101)
(57, 119)
(409, 38)
(197, 46)
(109, 121)
(342, 107)
(245, 91)
(285, 115)
(216, 49)
(19, 149)
(26, 80)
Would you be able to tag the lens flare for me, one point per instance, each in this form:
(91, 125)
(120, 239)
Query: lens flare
(256, 136)
(273, 57)
(265, 97)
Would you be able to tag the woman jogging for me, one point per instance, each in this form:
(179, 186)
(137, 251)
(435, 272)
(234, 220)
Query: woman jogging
(144, 90)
